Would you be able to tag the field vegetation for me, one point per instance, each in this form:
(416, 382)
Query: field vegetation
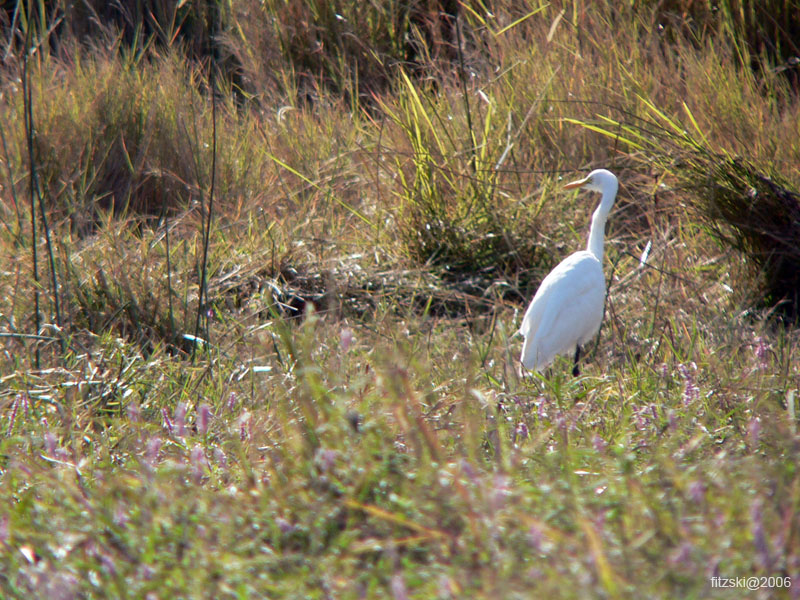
(263, 263)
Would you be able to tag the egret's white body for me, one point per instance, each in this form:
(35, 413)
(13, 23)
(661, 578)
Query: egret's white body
(568, 306)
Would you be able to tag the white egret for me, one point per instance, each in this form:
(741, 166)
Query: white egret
(568, 306)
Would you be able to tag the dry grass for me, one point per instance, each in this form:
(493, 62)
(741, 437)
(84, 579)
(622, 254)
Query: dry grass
(352, 422)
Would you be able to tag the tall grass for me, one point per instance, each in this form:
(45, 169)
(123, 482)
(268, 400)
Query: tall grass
(357, 425)
(451, 210)
(731, 159)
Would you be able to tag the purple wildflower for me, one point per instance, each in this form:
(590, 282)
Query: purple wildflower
(197, 459)
(600, 520)
(469, 471)
(62, 586)
(672, 419)
(681, 556)
(500, 492)
(4, 534)
(232, 401)
(561, 422)
(346, 339)
(108, 563)
(326, 459)
(221, 458)
(120, 517)
(13, 417)
(180, 419)
(642, 418)
(759, 537)
(521, 431)
(50, 443)
(754, 431)
(284, 526)
(535, 537)
(793, 566)
(167, 421)
(152, 450)
(447, 588)
(690, 390)
(697, 491)
(244, 426)
(762, 352)
(398, 586)
(134, 412)
(203, 417)
(598, 443)
(541, 411)
(713, 569)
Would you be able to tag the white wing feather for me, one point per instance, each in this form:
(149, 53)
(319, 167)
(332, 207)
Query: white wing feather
(566, 310)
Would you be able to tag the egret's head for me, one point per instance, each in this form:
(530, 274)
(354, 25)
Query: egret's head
(598, 180)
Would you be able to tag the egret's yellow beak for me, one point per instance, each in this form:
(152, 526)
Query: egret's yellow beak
(576, 184)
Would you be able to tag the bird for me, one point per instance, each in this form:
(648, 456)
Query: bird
(567, 309)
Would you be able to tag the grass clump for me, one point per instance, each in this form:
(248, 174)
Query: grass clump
(749, 202)
(453, 210)
(126, 136)
(727, 154)
(757, 214)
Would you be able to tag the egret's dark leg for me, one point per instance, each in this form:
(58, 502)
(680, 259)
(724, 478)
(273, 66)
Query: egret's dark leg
(575, 370)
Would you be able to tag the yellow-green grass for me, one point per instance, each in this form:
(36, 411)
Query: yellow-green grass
(352, 421)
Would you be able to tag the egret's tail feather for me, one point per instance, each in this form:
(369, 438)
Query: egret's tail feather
(529, 356)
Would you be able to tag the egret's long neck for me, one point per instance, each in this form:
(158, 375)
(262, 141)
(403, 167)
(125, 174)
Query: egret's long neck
(597, 231)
